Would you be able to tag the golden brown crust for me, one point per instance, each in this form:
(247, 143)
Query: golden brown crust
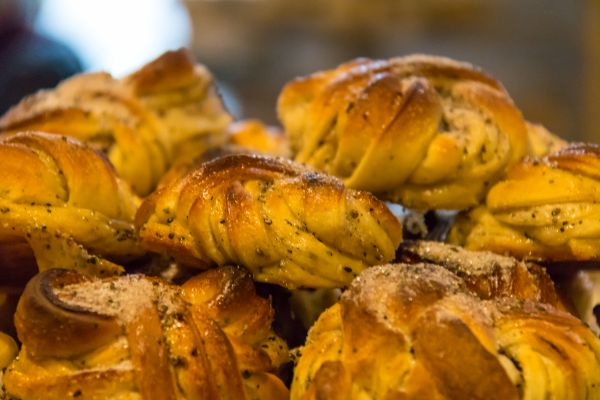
(488, 275)
(243, 137)
(98, 110)
(285, 223)
(544, 209)
(75, 331)
(578, 158)
(258, 137)
(415, 331)
(50, 209)
(139, 337)
(172, 70)
(143, 122)
(426, 131)
(186, 100)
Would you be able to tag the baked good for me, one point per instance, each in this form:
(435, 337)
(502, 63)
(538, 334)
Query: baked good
(62, 203)
(416, 332)
(135, 337)
(8, 350)
(287, 224)
(542, 142)
(256, 136)
(486, 274)
(444, 322)
(427, 132)
(184, 97)
(545, 209)
(242, 137)
(165, 112)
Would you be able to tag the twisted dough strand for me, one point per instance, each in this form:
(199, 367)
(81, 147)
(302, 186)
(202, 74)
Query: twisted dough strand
(544, 209)
(50, 205)
(415, 331)
(425, 131)
(136, 337)
(486, 274)
(285, 223)
(257, 137)
(166, 112)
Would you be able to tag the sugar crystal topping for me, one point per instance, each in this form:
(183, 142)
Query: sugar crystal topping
(123, 298)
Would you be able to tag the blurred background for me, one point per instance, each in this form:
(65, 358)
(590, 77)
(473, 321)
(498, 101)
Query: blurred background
(546, 52)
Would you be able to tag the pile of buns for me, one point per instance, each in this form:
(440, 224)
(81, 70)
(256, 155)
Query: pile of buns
(152, 248)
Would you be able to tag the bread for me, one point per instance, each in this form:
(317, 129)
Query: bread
(8, 350)
(184, 97)
(311, 227)
(136, 337)
(486, 274)
(427, 132)
(62, 203)
(287, 224)
(242, 137)
(545, 209)
(416, 332)
(543, 142)
(165, 112)
(258, 137)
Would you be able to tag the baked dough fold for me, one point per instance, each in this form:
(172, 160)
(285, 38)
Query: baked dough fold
(62, 203)
(546, 209)
(427, 132)
(416, 332)
(287, 224)
(135, 337)
(165, 112)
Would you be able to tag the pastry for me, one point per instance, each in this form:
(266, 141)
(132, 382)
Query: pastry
(254, 135)
(545, 209)
(61, 205)
(286, 224)
(8, 350)
(166, 112)
(184, 97)
(427, 132)
(416, 332)
(431, 134)
(543, 142)
(242, 137)
(487, 274)
(135, 337)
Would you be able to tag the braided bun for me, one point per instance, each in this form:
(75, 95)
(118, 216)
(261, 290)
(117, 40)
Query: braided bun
(428, 132)
(288, 225)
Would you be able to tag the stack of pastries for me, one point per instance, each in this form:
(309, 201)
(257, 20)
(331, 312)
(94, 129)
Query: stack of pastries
(109, 185)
